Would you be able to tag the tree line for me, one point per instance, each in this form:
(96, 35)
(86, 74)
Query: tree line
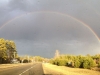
(30, 59)
(7, 50)
(78, 61)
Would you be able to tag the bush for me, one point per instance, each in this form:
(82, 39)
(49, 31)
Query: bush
(99, 64)
(59, 62)
(85, 64)
(77, 64)
(88, 63)
(25, 61)
(80, 61)
(62, 62)
(56, 62)
(51, 61)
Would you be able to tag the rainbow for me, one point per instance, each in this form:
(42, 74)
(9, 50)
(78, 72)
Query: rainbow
(55, 13)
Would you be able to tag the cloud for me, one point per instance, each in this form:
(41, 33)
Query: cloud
(42, 32)
(46, 25)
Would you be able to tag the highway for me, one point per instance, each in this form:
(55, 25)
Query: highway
(23, 69)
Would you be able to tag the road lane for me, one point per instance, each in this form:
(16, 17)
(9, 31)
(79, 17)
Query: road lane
(8, 66)
(26, 69)
(35, 70)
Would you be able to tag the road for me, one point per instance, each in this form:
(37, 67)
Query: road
(23, 69)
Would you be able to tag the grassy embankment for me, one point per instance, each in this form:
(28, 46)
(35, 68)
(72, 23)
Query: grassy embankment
(62, 70)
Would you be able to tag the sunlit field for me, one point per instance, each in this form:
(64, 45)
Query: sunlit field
(62, 70)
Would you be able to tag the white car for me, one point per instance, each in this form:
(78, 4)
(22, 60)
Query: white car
(14, 61)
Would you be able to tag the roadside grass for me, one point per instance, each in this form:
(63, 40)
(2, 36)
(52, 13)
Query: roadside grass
(6, 66)
(62, 70)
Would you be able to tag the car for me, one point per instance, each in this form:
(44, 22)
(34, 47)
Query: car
(14, 61)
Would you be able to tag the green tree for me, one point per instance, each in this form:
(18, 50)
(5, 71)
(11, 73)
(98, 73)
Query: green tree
(88, 63)
(99, 64)
(77, 63)
(11, 47)
(3, 50)
(62, 62)
(7, 50)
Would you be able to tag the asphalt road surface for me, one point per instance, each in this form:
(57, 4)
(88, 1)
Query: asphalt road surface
(23, 69)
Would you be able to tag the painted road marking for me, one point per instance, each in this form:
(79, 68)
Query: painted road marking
(26, 70)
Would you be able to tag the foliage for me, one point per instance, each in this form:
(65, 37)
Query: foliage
(79, 61)
(25, 61)
(38, 59)
(77, 64)
(62, 62)
(99, 64)
(88, 63)
(3, 49)
(7, 50)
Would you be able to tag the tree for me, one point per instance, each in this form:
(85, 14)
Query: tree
(11, 47)
(57, 54)
(3, 50)
(7, 50)
(88, 63)
(77, 63)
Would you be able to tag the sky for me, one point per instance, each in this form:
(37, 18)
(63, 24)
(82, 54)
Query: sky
(40, 27)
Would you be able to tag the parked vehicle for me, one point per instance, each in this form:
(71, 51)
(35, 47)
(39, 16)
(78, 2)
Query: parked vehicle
(14, 61)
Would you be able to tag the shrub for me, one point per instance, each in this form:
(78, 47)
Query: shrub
(77, 64)
(85, 64)
(80, 61)
(62, 62)
(51, 61)
(99, 64)
(59, 62)
(56, 62)
(25, 61)
(88, 63)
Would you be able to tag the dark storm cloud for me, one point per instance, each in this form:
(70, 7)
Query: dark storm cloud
(83, 10)
(45, 25)
(47, 32)
(39, 33)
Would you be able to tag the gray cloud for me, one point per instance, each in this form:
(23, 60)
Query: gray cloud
(44, 32)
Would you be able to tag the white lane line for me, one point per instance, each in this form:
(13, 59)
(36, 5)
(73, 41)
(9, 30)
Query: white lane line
(26, 70)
